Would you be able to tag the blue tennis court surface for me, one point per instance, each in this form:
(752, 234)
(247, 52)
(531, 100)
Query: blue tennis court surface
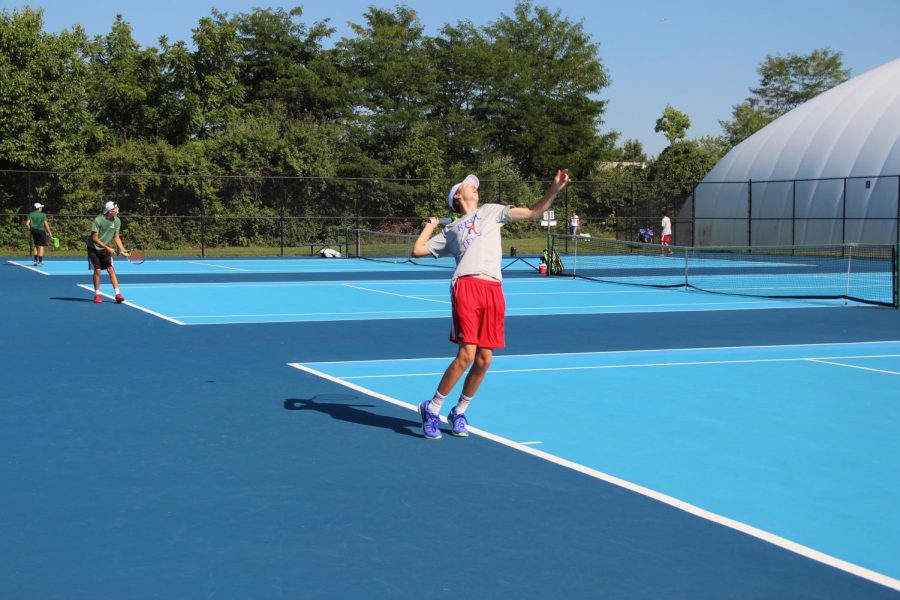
(630, 442)
(652, 418)
(273, 302)
(236, 266)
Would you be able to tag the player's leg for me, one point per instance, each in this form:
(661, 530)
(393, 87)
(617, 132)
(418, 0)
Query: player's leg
(115, 283)
(457, 416)
(480, 366)
(430, 409)
(97, 298)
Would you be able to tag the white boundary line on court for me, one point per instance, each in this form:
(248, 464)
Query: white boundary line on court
(604, 352)
(358, 287)
(837, 364)
(447, 316)
(29, 267)
(209, 264)
(816, 359)
(132, 305)
(771, 538)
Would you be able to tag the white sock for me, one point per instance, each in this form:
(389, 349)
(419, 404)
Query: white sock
(435, 405)
(116, 290)
(462, 404)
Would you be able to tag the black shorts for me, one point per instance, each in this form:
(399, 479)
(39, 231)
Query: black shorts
(39, 236)
(99, 259)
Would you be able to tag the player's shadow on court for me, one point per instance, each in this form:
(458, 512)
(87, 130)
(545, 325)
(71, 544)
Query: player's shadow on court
(334, 406)
(71, 299)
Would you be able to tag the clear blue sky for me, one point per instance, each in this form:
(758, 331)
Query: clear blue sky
(700, 56)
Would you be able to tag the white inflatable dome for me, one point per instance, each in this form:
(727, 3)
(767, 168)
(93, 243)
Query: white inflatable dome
(826, 172)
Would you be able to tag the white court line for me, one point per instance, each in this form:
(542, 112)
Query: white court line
(208, 264)
(132, 305)
(357, 287)
(825, 362)
(240, 284)
(436, 314)
(441, 312)
(771, 538)
(642, 365)
(29, 267)
(607, 352)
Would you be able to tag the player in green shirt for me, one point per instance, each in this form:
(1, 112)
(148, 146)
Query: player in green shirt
(105, 232)
(39, 226)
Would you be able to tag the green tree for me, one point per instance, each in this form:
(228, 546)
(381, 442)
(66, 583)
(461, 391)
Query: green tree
(460, 55)
(633, 151)
(713, 146)
(673, 124)
(539, 103)
(786, 82)
(683, 161)
(393, 85)
(217, 72)
(44, 122)
(284, 61)
(747, 118)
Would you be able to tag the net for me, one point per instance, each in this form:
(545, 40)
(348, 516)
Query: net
(856, 272)
(387, 247)
(397, 248)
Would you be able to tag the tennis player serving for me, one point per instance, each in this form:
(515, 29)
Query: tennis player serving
(479, 308)
(104, 232)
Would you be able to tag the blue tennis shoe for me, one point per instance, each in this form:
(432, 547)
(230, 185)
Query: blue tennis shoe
(431, 423)
(458, 423)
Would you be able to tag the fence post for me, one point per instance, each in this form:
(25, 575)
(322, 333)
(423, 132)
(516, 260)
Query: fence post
(749, 212)
(844, 213)
(693, 214)
(281, 224)
(203, 221)
(793, 212)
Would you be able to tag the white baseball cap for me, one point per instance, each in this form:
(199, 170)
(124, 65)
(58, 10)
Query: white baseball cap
(110, 206)
(38, 205)
(470, 179)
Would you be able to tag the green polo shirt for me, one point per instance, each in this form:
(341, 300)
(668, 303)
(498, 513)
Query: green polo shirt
(105, 229)
(37, 220)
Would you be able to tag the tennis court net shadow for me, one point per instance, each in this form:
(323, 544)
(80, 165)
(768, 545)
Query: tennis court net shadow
(334, 405)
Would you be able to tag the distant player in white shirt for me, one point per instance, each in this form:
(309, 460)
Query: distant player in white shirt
(666, 235)
(574, 222)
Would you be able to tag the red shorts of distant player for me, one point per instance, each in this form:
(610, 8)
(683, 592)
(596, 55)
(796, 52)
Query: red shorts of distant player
(665, 239)
(479, 310)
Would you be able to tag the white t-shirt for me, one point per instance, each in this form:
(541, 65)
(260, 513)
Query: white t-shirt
(474, 241)
(666, 226)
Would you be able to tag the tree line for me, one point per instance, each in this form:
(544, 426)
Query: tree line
(264, 93)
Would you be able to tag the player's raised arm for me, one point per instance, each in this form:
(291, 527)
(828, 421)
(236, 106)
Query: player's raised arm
(560, 182)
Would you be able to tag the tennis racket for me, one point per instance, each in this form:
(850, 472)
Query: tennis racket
(136, 256)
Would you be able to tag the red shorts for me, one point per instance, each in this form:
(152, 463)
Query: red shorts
(665, 239)
(479, 309)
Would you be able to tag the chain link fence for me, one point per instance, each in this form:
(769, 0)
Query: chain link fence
(227, 215)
